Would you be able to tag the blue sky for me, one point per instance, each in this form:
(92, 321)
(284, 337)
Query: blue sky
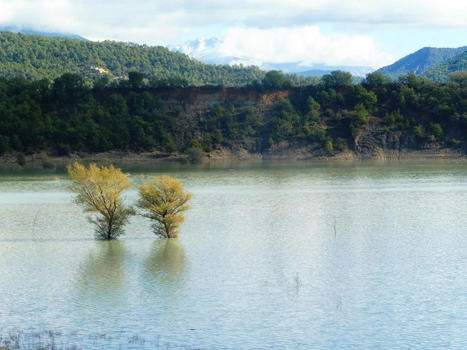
(353, 32)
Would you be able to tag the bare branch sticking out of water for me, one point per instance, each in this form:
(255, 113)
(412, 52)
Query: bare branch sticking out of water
(334, 227)
(298, 284)
(34, 224)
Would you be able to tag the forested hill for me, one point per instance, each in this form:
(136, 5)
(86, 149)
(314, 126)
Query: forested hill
(420, 61)
(456, 65)
(68, 115)
(37, 57)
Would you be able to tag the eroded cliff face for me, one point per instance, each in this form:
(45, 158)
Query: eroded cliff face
(198, 100)
(191, 104)
(373, 140)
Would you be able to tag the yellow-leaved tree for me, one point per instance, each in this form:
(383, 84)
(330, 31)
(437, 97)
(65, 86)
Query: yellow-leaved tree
(164, 200)
(99, 191)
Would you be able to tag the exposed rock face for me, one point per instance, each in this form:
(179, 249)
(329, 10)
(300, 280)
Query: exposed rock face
(192, 103)
(197, 100)
(372, 141)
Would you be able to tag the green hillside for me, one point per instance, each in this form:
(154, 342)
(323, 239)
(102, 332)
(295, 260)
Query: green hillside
(420, 61)
(36, 57)
(443, 71)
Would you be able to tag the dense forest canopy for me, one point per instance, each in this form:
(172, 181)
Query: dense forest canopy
(68, 115)
(36, 57)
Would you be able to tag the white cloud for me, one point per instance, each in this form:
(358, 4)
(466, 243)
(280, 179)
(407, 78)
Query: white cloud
(154, 21)
(119, 20)
(255, 30)
(48, 15)
(306, 45)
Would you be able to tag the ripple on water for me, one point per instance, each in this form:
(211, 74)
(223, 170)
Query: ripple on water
(329, 257)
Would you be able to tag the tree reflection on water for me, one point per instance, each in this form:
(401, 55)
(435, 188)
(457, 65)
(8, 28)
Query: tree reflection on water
(103, 272)
(166, 261)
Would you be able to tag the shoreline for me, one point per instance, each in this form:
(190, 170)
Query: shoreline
(42, 160)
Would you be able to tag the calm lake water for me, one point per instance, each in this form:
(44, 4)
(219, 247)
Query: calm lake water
(319, 256)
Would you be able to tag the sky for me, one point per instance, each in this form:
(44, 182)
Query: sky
(334, 32)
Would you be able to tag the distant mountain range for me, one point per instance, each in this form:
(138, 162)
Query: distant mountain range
(444, 70)
(421, 61)
(211, 51)
(320, 70)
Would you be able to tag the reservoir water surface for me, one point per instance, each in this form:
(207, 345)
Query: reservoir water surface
(317, 256)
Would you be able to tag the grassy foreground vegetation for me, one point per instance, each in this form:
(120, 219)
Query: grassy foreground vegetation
(69, 115)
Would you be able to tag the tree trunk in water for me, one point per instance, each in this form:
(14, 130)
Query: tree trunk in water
(109, 230)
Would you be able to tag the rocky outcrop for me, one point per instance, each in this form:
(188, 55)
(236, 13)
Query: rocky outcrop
(197, 100)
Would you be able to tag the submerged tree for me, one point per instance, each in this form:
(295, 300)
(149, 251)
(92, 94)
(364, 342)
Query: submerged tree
(164, 200)
(99, 191)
